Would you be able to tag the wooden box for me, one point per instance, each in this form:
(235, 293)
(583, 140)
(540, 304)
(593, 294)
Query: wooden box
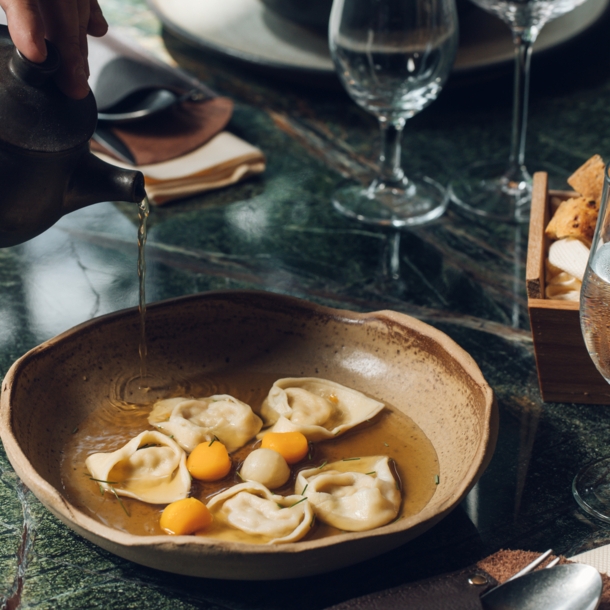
(566, 372)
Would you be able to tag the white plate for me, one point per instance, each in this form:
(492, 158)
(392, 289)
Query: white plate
(245, 30)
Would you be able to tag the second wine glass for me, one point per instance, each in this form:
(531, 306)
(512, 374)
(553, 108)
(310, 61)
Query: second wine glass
(393, 59)
(501, 190)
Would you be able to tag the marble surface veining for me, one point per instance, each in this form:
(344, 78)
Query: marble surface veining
(279, 232)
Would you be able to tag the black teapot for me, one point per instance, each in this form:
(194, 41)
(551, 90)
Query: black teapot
(46, 167)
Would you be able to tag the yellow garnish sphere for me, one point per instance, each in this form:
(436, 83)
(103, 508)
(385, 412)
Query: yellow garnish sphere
(292, 446)
(209, 461)
(185, 517)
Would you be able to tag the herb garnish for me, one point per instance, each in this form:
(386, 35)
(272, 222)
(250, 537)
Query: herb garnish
(372, 472)
(214, 440)
(386, 444)
(116, 495)
(349, 459)
(102, 481)
(301, 500)
(437, 479)
(322, 464)
(304, 489)
(75, 430)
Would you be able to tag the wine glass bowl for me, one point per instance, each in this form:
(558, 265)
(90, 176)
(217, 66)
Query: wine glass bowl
(591, 486)
(393, 59)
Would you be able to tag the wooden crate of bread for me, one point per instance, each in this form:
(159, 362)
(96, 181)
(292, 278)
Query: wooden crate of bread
(566, 372)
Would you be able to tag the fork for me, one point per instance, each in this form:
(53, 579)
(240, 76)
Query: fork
(527, 569)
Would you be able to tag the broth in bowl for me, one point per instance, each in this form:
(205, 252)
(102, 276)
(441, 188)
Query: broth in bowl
(412, 459)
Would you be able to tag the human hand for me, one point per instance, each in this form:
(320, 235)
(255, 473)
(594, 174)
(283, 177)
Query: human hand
(66, 23)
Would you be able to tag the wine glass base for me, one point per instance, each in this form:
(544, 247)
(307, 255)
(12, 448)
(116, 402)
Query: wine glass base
(415, 202)
(486, 190)
(591, 489)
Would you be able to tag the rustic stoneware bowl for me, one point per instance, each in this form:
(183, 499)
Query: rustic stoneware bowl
(388, 355)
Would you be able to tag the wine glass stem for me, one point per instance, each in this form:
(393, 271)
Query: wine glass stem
(523, 39)
(389, 159)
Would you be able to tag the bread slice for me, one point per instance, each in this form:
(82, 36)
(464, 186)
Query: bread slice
(588, 179)
(575, 217)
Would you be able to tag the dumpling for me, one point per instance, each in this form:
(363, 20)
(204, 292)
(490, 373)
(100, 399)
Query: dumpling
(354, 494)
(251, 508)
(151, 467)
(318, 408)
(191, 421)
(267, 467)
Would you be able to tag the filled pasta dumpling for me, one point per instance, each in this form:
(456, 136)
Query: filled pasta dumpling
(151, 467)
(318, 408)
(191, 421)
(354, 494)
(251, 508)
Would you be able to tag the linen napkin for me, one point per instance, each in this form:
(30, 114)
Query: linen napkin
(182, 150)
(224, 160)
(599, 558)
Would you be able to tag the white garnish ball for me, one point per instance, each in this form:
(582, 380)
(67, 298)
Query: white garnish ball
(267, 467)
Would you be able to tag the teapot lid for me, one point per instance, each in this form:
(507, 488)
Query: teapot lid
(34, 114)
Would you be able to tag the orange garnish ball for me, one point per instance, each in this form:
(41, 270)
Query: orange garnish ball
(209, 461)
(292, 446)
(185, 517)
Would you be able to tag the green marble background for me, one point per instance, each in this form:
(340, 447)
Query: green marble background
(280, 233)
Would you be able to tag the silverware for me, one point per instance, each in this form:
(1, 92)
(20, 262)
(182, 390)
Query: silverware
(152, 103)
(568, 587)
(104, 136)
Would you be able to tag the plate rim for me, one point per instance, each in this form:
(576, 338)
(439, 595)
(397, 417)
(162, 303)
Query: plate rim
(599, 7)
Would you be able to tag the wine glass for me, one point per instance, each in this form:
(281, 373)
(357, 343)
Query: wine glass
(393, 58)
(591, 486)
(502, 190)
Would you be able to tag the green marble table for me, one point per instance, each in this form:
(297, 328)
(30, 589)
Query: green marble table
(280, 233)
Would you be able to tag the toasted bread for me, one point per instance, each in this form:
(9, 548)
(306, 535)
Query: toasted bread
(575, 217)
(588, 179)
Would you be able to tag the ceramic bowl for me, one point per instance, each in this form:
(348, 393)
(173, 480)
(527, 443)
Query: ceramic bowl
(388, 355)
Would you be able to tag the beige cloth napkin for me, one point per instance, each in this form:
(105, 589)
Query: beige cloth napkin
(224, 160)
(599, 558)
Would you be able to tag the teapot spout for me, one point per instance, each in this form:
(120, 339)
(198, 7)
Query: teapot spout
(94, 180)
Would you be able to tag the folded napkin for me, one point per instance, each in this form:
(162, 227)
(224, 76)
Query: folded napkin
(182, 150)
(459, 590)
(599, 558)
(224, 160)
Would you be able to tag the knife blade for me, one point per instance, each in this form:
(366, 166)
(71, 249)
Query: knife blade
(115, 145)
